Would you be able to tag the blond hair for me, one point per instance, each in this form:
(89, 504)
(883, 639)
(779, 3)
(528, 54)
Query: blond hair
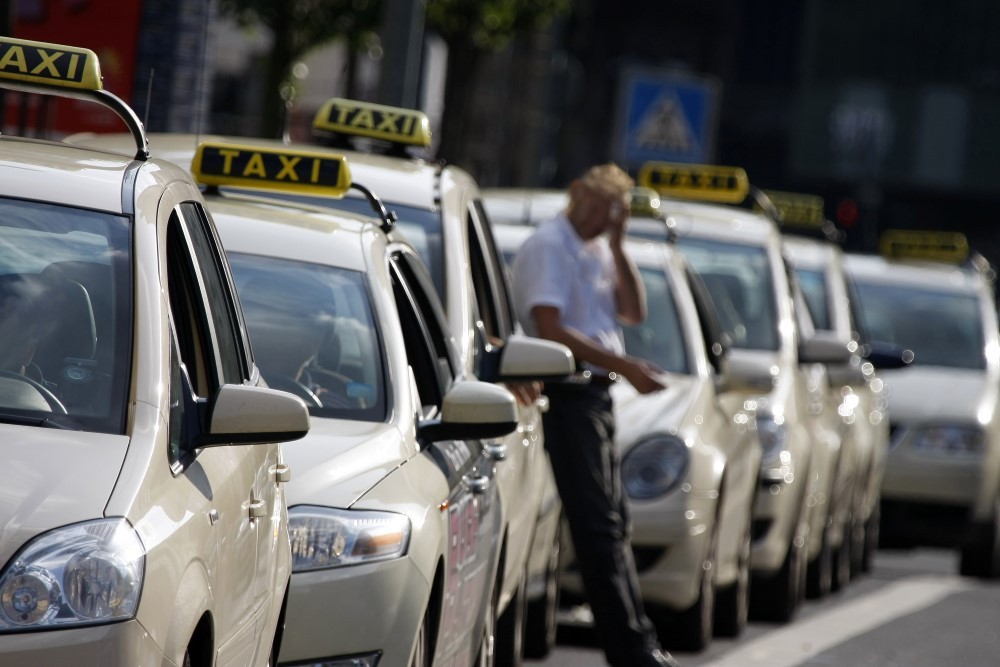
(609, 180)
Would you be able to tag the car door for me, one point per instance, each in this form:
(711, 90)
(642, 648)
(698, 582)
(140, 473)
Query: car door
(240, 498)
(472, 512)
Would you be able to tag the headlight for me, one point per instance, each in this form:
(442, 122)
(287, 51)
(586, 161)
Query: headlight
(772, 438)
(82, 574)
(323, 537)
(944, 439)
(654, 466)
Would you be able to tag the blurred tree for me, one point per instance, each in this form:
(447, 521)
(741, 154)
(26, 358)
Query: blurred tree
(298, 26)
(472, 29)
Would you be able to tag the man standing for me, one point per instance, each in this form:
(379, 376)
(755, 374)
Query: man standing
(573, 283)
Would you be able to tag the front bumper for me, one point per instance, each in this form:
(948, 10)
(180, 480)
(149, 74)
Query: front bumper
(125, 643)
(926, 478)
(776, 512)
(356, 610)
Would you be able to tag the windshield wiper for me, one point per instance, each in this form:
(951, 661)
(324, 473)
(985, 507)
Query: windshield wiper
(33, 421)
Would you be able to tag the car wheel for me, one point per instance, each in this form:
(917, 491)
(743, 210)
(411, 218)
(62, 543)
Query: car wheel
(510, 628)
(732, 604)
(541, 624)
(871, 538)
(981, 553)
(421, 646)
(776, 598)
(486, 656)
(819, 572)
(692, 628)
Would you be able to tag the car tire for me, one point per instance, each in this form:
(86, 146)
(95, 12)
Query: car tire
(871, 538)
(541, 623)
(980, 555)
(842, 559)
(486, 654)
(691, 629)
(509, 644)
(776, 598)
(819, 571)
(421, 645)
(732, 603)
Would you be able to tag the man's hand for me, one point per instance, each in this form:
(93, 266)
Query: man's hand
(643, 375)
(526, 393)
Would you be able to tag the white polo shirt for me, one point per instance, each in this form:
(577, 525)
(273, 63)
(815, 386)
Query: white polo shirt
(555, 267)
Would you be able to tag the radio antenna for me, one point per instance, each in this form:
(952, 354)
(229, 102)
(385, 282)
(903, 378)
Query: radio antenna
(149, 97)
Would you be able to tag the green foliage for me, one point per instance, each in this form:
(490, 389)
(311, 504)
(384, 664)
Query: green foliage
(309, 23)
(488, 25)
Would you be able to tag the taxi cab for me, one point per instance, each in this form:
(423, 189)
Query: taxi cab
(845, 540)
(942, 477)
(689, 469)
(398, 504)
(145, 520)
(738, 255)
(440, 210)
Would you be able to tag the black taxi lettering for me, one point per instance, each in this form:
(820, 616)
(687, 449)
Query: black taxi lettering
(371, 119)
(46, 64)
(268, 166)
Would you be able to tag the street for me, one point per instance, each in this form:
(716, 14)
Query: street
(913, 610)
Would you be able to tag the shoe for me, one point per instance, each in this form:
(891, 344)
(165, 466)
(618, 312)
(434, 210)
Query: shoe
(664, 659)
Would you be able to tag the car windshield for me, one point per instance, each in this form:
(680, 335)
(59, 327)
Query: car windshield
(313, 334)
(660, 337)
(421, 227)
(740, 280)
(65, 316)
(941, 328)
(813, 283)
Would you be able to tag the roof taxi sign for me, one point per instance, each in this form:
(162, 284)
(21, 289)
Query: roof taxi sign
(798, 210)
(305, 172)
(49, 65)
(375, 121)
(951, 247)
(710, 183)
(645, 203)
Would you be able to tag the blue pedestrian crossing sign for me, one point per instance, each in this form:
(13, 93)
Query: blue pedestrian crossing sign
(665, 115)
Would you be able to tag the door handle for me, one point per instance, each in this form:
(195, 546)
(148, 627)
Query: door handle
(258, 510)
(282, 473)
(478, 485)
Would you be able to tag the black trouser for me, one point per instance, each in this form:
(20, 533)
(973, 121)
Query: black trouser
(579, 436)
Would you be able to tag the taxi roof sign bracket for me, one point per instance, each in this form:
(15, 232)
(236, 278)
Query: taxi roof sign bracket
(52, 69)
(387, 217)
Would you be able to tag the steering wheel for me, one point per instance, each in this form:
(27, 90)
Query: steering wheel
(293, 386)
(54, 403)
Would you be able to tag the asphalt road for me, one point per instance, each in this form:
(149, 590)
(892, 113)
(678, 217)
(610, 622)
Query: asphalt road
(912, 610)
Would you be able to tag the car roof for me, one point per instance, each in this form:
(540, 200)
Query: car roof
(722, 223)
(60, 174)
(804, 251)
(523, 206)
(934, 276)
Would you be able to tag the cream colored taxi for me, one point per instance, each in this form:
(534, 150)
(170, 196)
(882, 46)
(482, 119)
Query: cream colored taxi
(398, 503)
(689, 468)
(738, 255)
(942, 477)
(145, 520)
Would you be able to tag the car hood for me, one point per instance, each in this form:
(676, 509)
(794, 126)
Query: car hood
(637, 415)
(54, 478)
(934, 394)
(339, 461)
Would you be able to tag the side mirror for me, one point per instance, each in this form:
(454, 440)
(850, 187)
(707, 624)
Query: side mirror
(824, 347)
(241, 415)
(472, 410)
(522, 358)
(749, 372)
(886, 356)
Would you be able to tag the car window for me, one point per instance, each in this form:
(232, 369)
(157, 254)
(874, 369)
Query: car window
(65, 315)
(429, 350)
(740, 280)
(813, 284)
(314, 334)
(660, 337)
(492, 273)
(941, 328)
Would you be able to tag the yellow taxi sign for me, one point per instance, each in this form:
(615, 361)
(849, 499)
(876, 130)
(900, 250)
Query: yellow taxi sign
(711, 183)
(375, 121)
(952, 247)
(645, 203)
(798, 210)
(49, 65)
(305, 172)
